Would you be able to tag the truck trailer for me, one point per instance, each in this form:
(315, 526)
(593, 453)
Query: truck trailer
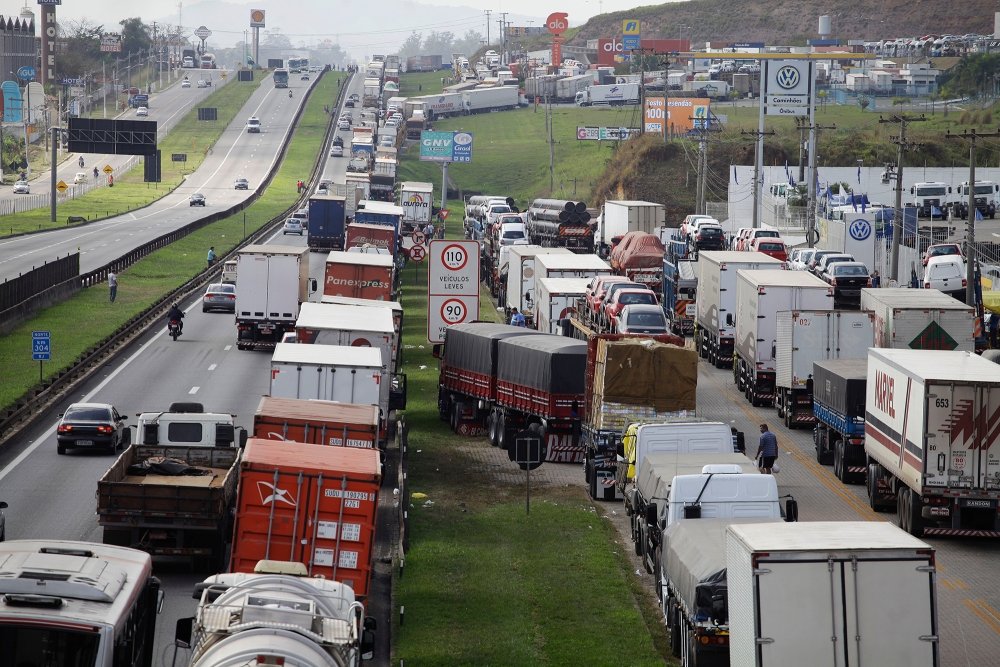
(559, 222)
(327, 218)
(417, 200)
(273, 283)
(623, 216)
(839, 405)
(922, 319)
(678, 294)
(557, 299)
(521, 280)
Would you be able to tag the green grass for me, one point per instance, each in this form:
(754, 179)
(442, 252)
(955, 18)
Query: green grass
(421, 83)
(510, 153)
(190, 136)
(88, 317)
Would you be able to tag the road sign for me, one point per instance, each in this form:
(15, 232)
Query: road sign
(452, 286)
(443, 213)
(444, 311)
(108, 169)
(61, 186)
(417, 253)
(41, 346)
(418, 237)
(202, 32)
(453, 311)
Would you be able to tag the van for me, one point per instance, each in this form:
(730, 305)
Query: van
(947, 274)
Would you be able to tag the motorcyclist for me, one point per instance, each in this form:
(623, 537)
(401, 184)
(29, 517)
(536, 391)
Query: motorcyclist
(289, 93)
(176, 314)
(95, 172)
(81, 162)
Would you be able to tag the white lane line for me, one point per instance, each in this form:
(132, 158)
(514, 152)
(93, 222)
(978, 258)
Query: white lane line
(194, 390)
(227, 348)
(213, 367)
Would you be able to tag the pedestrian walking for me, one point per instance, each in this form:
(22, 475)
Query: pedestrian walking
(299, 185)
(211, 256)
(112, 285)
(429, 231)
(517, 318)
(767, 450)
(876, 279)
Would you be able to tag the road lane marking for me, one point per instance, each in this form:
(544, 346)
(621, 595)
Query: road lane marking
(194, 390)
(986, 613)
(227, 348)
(213, 367)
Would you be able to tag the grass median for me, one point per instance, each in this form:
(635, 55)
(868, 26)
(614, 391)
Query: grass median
(190, 137)
(88, 317)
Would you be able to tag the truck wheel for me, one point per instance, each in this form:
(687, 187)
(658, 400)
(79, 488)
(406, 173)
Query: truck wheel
(591, 480)
(491, 428)
(871, 482)
(456, 411)
(822, 455)
(636, 541)
(839, 465)
(673, 615)
(501, 422)
(656, 574)
(908, 507)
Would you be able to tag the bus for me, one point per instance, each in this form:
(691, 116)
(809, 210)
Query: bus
(296, 65)
(281, 78)
(77, 603)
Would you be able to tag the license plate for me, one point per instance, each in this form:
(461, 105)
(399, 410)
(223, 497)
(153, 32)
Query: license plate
(266, 329)
(85, 443)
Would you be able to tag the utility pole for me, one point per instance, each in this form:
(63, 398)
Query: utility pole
(758, 137)
(812, 236)
(488, 13)
(902, 145)
(552, 149)
(970, 223)
(802, 125)
(503, 37)
(702, 126)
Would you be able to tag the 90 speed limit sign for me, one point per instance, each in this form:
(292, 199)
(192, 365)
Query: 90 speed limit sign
(452, 285)
(444, 311)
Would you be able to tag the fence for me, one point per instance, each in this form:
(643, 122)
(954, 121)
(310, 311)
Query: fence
(22, 203)
(39, 279)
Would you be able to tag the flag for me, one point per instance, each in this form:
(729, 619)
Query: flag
(854, 203)
(864, 203)
(979, 215)
(859, 174)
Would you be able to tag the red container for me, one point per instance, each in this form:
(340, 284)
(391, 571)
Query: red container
(363, 233)
(317, 422)
(360, 275)
(292, 499)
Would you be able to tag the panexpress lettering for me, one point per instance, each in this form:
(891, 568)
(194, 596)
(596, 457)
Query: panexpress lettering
(351, 282)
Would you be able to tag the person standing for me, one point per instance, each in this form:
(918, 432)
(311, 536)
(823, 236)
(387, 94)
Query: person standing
(112, 285)
(876, 279)
(429, 231)
(211, 256)
(767, 450)
(517, 318)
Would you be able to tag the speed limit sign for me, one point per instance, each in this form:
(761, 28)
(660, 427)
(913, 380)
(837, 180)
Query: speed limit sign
(453, 311)
(417, 253)
(452, 285)
(445, 311)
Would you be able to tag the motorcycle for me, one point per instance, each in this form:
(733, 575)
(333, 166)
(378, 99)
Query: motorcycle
(174, 328)
(289, 93)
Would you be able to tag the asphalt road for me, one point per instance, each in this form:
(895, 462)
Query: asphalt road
(236, 154)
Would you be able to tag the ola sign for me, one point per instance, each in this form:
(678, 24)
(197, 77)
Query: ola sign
(557, 23)
(607, 49)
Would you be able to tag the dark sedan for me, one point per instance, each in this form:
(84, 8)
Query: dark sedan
(219, 296)
(197, 199)
(92, 426)
(847, 279)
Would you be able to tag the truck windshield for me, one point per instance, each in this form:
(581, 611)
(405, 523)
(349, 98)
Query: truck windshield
(936, 191)
(983, 189)
(35, 645)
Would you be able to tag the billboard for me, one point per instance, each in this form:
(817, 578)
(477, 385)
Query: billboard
(684, 114)
(610, 47)
(256, 18)
(445, 146)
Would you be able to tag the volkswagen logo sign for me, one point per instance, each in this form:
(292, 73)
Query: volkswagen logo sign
(787, 77)
(860, 229)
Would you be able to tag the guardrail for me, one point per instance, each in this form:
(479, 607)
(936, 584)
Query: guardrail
(22, 203)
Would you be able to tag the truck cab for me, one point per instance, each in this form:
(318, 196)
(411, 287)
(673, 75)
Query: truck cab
(987, 198)
(931, 199)
(188, 425)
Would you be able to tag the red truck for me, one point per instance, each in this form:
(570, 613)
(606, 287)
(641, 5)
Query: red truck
(360, 275)
(360, 234)
(317, 422)
(639, 257)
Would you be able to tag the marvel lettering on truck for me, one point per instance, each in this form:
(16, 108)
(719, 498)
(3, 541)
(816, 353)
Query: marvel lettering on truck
(273, 283)
(930, 418)
(839, 388)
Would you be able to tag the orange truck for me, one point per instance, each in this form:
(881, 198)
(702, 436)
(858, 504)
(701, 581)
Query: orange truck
(317, 422)
(309, 504)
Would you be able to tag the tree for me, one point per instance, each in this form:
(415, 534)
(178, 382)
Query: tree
(136, 36)
(412, 46)
(273, 39)
(864, 102)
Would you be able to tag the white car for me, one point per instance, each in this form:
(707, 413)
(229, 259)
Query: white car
(186, 83)
(253, 125)
(202, 83)
(343, 125)
(292, 226)
(22, 188)
(142, 111)
(80, 177)
(337, 151)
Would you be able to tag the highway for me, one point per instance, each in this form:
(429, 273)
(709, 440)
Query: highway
(236, 154)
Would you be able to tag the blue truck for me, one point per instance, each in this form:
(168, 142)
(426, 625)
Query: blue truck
(327, 222)
(678, 292)
(839, 387)
(373, 212)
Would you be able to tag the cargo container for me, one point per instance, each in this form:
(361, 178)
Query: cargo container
(839, 405)
(520, 286)
(417, 200)
(570, 266)
(273, 283)
(330, 373)
(829, 594)
(623, 216)
(567, 88)
(380, 213)
(930, 425)
(484, 100)
(922, 319)
(308, 504)
(333, 324)
(760, 296)
(805, 337)
(361, 234)
(360, 275)
(557, 299)
(317, 422)
(612, 94)
(327, 217)
(716, 305)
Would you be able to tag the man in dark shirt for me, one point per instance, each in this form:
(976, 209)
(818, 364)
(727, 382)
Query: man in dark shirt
(767, 450)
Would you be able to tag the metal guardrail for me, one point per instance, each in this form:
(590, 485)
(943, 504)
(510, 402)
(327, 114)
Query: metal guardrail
(21, 413)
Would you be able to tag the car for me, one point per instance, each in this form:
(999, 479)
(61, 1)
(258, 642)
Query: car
(304, 77)
(302, 215)
(142, 111)
(253, 125)
(229, 271)
(947, 274)
(800, 258)
(202, 83)
(80, 177)
(241, 184)
(847, 279)
(386, 142)
(830, 258)
(22, 188)
(349, 104)
(709, 237)
(355, 97)
(642, 319)
(772, 247)
(292, 226)
(338, 141)
(323, 189)
(596, 289)
(941, 250)
(391, 123)
(197, 199)
(757, 233)
(626, 297)
(336, 151)
(185, 83)
(818, 255)
(740, 233)
(219, 296)
(343, 125)
(609, 294)
(91, 426)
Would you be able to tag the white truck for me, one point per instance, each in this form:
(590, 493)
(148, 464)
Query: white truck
(520, 286)
(570, 266)
(931, 199)
(273, 283)
(497, 98)
(808, 336)
(417, 200)
(330, 373)
(371, 91)
(930, 425)
(336, 324)
(715, 323)
(557, 299)
(569, 87)
(615, 94)
(829, 594)
(760, 296)
(987, 199)
(924, 319)
(622, 216)
(277, 615)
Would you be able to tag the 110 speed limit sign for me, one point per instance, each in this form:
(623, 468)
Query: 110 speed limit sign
(452, 285)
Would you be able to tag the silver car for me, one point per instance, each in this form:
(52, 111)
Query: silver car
(22, 188)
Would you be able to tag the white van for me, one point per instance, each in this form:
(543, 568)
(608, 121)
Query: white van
(692, 437)
(947, 274)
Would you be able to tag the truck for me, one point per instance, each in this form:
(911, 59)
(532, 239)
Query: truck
(616, 94)
(839, 388)
(987, 198)
(350, 326)
(273, 283)
(557, 299)
(813, 593)
(929, 427)
(484, 100)
(931, 199)
(317, 422)
(360, 275)
(417, 200)
(560, 223)
(567, 88)
(639, 257)
(442, 105)
(170, 493)
(760, 296)
(623, 216)
(361, 236)
(924, 319)
(371, 91)
(330, 373)
(678, 293)
(715, 323)
(521, 281)
(382, 213)
(326, 519)
(805, 337)
(570, 266)
(268, 617)
(327, 218)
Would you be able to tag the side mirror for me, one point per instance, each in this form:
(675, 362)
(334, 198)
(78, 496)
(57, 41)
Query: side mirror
(243, 438)
(791, 510)
(652, 514)
(313, 285)
(183, 631)
(912, 190)
(368, 639)
(436, 351)
(692, 511)
(729, 319)
(949, 189)
(620, 449)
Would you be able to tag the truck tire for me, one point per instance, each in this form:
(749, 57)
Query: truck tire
(823, 455)
(501, 421)
(456, 415)
(871, 483)
(657, 584)
(673, 616)
(839, 465)
(591, 479)
(636, 540)
(491, 429)
(186, 407)
(908, 508)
